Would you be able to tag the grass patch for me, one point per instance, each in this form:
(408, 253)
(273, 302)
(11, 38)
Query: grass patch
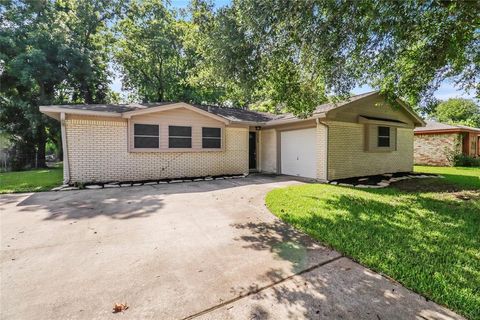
(465, 177)
(426, 239)
(30, 181)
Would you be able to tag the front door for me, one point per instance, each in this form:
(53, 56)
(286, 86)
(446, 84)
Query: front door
(252, 151)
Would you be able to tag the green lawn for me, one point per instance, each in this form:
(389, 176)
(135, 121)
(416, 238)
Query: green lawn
(425, 233)
(30, 181)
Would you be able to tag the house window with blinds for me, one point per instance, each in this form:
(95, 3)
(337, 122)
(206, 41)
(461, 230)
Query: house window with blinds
(146, 136)
(179, 137)
(211, 138)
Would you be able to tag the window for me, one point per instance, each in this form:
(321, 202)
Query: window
(145, 135)
(383, 137)
(211, 138)
(179, 137)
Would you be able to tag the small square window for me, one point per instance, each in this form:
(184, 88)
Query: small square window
(383, 137)
(179, 137)
(145, 135)
(211, 138)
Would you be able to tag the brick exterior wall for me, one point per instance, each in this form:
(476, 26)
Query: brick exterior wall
(347, 156)
(98, 152)
(436, 149)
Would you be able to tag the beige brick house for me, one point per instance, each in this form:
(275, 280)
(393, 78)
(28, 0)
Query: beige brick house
(437, 143)
(361, 136)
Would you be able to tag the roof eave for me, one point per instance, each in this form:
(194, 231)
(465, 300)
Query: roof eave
(172, 106)
(50, 111)
(293, 120)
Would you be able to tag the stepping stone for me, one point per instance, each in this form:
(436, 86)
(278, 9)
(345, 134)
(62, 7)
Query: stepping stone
(125, 185)
(198, 179)
(150, 183)
(334, 182)
(176, 181)
(93, 186)
(70, 188)
(111, 186)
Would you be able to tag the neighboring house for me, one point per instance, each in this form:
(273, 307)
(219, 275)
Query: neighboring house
(437, 143)
(361, 136)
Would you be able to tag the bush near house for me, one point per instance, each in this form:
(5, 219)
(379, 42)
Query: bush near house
(462, 160)
(423, 232)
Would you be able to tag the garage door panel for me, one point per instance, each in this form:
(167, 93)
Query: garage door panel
(298, 153)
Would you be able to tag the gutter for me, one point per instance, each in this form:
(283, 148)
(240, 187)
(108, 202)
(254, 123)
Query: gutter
(66, 165)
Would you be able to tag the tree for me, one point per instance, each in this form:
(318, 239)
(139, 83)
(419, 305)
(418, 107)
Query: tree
(405, 48)
(48, 57)
(149, 52)
(458, 111)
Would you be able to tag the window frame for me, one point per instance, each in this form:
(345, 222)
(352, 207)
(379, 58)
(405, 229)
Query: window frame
(220, 138)
(145, 136)
(379, 137)
(372, 136)
(180, 137)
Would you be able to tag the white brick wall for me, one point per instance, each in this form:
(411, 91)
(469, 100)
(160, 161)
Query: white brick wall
(347, 157)
(97, 151)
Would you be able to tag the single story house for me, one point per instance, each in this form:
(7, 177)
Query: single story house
(436, 143)
(361, 136)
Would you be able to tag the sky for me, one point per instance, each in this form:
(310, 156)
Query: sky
(446, 90)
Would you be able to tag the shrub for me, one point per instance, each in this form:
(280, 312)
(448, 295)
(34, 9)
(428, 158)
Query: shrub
(462, 160)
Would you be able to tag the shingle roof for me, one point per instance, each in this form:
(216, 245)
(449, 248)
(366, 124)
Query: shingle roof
(432, 125)
(235, 114)
(232, 114)
(116, 108)
(327, 106)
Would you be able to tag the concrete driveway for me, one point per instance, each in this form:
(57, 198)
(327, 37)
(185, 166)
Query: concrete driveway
(207, 250)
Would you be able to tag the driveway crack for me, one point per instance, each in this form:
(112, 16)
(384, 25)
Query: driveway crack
(255, 291)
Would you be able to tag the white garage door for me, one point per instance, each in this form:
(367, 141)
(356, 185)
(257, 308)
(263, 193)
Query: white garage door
(298, 154)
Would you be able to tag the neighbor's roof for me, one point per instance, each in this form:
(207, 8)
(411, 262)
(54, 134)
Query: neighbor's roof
(433, 126)
(230, 114)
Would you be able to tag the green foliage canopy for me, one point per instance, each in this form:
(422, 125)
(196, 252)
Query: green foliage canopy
(458, 111)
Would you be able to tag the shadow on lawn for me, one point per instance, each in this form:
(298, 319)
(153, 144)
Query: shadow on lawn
(338, 289)
(428, 242)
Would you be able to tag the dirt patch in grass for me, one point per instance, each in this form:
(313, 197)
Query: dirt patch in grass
(427, 185)
(437, 185)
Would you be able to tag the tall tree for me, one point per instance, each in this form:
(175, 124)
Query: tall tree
(458, 111)
(48, 57)
(149, 51)
(405, 48)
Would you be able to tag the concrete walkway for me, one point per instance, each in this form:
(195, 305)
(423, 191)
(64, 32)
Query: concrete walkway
(207, 250)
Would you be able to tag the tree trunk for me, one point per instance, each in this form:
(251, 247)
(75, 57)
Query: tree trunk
(41, 146)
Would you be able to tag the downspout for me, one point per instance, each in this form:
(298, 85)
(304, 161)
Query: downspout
(317, 120)
(66, 166)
